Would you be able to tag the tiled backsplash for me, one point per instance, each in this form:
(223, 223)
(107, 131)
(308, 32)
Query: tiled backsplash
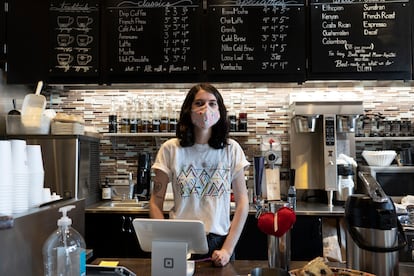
(266, 104)
(267, 110)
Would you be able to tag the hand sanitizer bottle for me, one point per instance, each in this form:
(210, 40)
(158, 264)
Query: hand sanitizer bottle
(64, 251)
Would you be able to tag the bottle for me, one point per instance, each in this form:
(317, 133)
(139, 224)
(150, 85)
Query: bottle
(242, 126)
(106, 190)
(156, 117)
(64, 251)
(291, 198)
(165, 117)
(125, 125)
(173, 118)
(232, 117)
(133, 116)
(113, 118)
(145, 117)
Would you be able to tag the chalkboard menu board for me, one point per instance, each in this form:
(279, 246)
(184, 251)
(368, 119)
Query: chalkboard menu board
(256, 37)
(2, 33)
(361, 37)
(153, 38)
(74, 30)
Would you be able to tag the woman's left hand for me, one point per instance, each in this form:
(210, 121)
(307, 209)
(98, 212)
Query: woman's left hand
(220, 257)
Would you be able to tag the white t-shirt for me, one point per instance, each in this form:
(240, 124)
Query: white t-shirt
(201, 179)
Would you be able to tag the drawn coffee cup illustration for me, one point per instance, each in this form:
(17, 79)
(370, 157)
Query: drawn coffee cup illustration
(84, 21)
(83, 59)
(65, 21)
(64, 39)
(84, 40)
(64, 59)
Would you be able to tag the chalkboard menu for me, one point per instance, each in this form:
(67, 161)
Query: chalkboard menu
(2, 33)
(361, 37)
(256, 37)
(153, 38)
(74, 30)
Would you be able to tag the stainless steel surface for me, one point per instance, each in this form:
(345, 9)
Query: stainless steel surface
(346, 123)
(396, 181)
(124, 205)
(374, 262)
(304, 124)
(326, 107)
(405, 269)
(131, 186)
(318, 209)
(278, 248)
(314, 155)
(374, 236)
(373, 187)
(71, 164)
(406, 254)
(389, 169)
(302, 208)
(21, 246)
(330, 153)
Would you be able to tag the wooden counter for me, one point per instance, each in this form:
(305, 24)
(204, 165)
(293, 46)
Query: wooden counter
(142, 267)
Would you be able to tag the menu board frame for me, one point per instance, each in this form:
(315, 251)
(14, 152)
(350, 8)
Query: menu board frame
(144, 38)
(256, 40)
(30, 42)
(3, 26)
(74, 40)
(360, 39)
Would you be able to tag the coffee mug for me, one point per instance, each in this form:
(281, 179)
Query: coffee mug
(65, 21)
(64, 39)
(84, 40)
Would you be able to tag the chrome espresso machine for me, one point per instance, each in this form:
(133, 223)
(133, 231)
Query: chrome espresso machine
(321, 131)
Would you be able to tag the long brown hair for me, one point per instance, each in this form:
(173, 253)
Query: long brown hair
(185, 128)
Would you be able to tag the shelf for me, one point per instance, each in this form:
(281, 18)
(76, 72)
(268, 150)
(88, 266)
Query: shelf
(399, 138)
(160, 134)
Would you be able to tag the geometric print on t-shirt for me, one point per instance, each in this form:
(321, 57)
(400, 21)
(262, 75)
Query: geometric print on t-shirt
(204, 182)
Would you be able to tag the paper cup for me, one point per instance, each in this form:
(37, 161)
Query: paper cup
(34, 158)
(36, 189)
(47, 195)
(5, 156)
(6, 183)
(19, 155)
(20, 192)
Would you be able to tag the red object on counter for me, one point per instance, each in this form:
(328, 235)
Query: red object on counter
(285, 218)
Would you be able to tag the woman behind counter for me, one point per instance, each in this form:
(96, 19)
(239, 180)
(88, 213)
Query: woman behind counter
(204, 166)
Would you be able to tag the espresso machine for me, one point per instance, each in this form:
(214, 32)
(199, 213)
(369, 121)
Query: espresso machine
(322, 130)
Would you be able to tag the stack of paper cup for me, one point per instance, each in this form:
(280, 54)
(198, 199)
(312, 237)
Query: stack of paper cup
(37, 174)
(20, 176)
(6, 182)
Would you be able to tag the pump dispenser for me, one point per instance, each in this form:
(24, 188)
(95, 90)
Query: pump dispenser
(64, 251)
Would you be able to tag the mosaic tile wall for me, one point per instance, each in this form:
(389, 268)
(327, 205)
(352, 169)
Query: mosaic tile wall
(267, 107)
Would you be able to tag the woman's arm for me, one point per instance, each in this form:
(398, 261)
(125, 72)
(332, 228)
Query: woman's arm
(159, 189)
(222, 257)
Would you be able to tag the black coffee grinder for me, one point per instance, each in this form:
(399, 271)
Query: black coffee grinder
(143, 187)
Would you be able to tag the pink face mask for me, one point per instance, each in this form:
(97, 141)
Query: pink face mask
(204, 116)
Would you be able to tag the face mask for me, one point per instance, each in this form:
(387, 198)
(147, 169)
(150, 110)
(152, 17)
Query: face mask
(204, 116)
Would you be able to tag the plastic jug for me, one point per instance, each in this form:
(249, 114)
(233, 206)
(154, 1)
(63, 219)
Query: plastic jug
(64, 251)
